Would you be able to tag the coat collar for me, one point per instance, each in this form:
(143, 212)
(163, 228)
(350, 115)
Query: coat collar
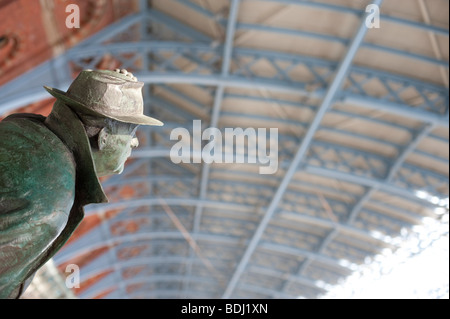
(65, 124)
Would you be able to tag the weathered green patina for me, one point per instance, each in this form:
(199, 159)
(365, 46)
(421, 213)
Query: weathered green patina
(49, 168)
(46, 178)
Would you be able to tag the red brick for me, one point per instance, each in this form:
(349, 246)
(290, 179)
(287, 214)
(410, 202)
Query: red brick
(28, 45)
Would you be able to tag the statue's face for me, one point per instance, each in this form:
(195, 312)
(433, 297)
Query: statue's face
(115, 142)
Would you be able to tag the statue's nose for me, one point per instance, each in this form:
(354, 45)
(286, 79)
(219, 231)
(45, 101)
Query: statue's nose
(134, 143)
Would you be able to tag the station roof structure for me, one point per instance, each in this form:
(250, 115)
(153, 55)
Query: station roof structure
(361, 109)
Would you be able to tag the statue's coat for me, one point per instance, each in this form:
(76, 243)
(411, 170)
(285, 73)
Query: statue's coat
(47, 175)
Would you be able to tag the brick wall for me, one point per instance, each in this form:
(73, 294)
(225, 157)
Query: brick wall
(33, 31)
(24, 43)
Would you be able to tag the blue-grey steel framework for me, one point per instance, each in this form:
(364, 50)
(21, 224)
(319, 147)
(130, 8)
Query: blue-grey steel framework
(391, 175)
(330, 95)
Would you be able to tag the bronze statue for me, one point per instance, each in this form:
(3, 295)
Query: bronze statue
(49, 167)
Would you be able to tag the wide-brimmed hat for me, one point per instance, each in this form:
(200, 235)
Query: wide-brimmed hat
(104, 93)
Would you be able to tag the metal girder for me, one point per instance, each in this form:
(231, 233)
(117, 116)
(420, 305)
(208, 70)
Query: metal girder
(366, 197)
(92, 209)
(226, 240)
(298, 279)
(392, 103)
(260, 188)
(141, 47)
(376, 165)
(405, 178)
(202, 109)
(214, 120)
(97, 267)
(267, 246)
(369, 182)
(396, 109)
(265, 291)
(352, 177)
(78, 249)
(165, 294)
(90, 272)
(326, 260)
(291, 88)
(343, 41)
(331, 7)
(284, 214)
(168, 293)
(341, 227)
(330, 95)
(135, 180)
(404, 110)
(304, 198)
(110, 282)
(105, 283)
(313, 108)
(348, 96)
(331, 262)
(177, 26)
(230, 207)
(329, 38)
(110, 31)
(412, 145)
(357, 12)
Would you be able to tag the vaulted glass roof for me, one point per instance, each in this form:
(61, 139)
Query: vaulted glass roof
(361, 114)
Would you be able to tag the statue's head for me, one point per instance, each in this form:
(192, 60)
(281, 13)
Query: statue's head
(110, 105)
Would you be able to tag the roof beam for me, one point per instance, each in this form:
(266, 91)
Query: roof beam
(285, 217)
(343, 9)
(343, 41)
(108, 282)
(93, 209)
(68, 254)
(218, 99)
(413, 24)
(371, 190)
(99, 268)
(24, 93)
(426, 27)
(316, 170)
(261, 187)
(369, 182)
(411, 146)
(80, 249)
(177, 26)
(165, 294)
(156, 46)
(215, 114)
(292, 88)
(396, 108)
(299, 156)
(330, 130)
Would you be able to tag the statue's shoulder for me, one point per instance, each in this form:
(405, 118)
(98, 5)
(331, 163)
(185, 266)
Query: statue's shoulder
(24, 127)
(25, 122)
(27, 116)
(33, 159)
(25, 138)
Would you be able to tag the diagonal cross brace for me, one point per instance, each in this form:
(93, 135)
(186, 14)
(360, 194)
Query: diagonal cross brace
(331, 93)
(218, 99)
